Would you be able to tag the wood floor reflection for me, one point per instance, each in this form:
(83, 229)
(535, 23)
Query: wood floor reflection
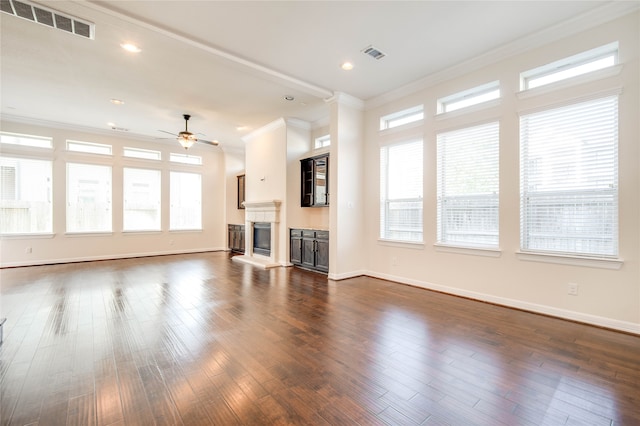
(200, 340)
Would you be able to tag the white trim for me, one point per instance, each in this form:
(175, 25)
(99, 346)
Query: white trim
(598, 16)
(346, 99)
(475, 251)
(625, 326)
(565, 259)
(34, 236)
(346, 275)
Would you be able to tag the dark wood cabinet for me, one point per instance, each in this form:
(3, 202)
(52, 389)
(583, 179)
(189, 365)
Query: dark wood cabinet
(236, 238)
(310, 249)
(314, 181)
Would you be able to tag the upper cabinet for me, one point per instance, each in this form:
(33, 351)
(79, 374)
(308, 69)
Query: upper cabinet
(315, 181)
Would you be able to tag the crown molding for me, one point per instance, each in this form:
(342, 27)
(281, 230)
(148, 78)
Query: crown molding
(583, 22)
(346, 99)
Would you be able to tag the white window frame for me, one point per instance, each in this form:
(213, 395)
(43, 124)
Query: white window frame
(470, 97)
(30, 206)
(414, 236)
(105, 202)
(401, 118)
(130, 206)
(89, 147)
(582, 211)
(194, 160)
(573, 66)
(26, 140)
(143, 154)
(468, 186)
(322, 142)
(176, 208)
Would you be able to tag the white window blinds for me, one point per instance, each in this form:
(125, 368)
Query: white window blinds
(401, 192)
(468, 184)
(569, 179)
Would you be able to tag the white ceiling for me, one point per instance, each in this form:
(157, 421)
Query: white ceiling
(230, 64)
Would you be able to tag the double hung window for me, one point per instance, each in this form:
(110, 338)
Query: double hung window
(401, 192)
(569, 179)
(468, 182)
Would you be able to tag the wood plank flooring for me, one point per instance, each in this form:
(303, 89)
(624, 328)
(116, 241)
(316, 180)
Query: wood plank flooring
(201, 340)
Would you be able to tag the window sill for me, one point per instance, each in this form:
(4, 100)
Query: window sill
(89, 234)
(142, 232)
(475, 251)
(404, 244)
(564, 259)
(26, 236)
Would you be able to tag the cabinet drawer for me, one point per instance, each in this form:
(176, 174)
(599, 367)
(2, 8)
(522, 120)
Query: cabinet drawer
(296, 232)
(308, 233)
(322, 235)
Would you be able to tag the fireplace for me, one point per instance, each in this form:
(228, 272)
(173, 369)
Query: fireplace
(262, 245)
(262, 238)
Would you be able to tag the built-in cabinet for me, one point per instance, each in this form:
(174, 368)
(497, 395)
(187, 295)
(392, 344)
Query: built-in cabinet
(309, 248)
(236, 238)
(315, 181)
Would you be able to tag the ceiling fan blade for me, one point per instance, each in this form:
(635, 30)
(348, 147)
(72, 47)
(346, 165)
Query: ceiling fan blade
(214, 143)
(172, 134)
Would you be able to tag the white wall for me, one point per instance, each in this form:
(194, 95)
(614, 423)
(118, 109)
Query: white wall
(234, 166)
(60, 247)
(606, 297)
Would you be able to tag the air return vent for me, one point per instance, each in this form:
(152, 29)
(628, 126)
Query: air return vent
(373, 52)
(48, 17)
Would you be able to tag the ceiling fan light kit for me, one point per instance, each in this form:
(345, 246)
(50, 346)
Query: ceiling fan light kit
(186, 138)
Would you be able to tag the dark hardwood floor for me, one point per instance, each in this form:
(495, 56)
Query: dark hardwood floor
(199, 340)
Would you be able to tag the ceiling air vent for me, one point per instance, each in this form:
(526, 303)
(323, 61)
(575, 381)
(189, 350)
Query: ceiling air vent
(48, 17)
(373, 52)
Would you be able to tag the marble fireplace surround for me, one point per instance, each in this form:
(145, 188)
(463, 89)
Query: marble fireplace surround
(261, 212)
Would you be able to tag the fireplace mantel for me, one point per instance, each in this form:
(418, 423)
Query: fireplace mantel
(261, 212)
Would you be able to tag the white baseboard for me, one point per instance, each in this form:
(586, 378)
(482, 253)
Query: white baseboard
(346, 275)
(625, 326)
(38, 262)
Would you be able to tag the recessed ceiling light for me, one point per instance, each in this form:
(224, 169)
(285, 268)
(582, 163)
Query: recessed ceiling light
(130, 47)
(111, 124)
(117, 101)
(289, 98)
(347, 66)
(241, 128)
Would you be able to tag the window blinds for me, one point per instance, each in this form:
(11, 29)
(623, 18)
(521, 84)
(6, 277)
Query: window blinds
(468, 186)
(569, 179)
(401, 192)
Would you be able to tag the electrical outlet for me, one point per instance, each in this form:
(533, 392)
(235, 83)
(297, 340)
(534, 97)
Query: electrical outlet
(573, 289)
(27, 250)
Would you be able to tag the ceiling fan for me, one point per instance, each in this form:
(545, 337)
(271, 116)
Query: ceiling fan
(186, 138)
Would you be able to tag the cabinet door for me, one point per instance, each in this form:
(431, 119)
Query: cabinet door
(295, 255)
(308, 252)
(322, 255)
(321, 181)
(306, 199)
(241, 238)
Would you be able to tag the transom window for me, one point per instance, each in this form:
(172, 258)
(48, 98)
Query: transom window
(145, 154)
(89, 147)
(322, 141)
(466, 98)
(26, 140)
(403, 117)
(185, 159)
(573, 66)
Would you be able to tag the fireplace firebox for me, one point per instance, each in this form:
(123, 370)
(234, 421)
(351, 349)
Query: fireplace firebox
(262, 238)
